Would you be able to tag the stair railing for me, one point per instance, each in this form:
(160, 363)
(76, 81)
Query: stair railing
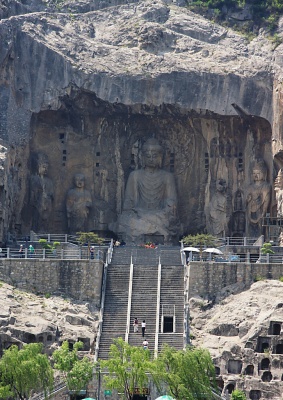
(157, 309)
(110, 252)
(103, 292)
(129, 301)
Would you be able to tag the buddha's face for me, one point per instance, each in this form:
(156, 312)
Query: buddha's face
(79, 181)
(258, 175)
(42, 168)
(152, 157)
(221, 185)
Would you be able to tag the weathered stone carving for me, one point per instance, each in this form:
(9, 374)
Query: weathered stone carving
(238, 224)
(78, 204)
(42, 193)
(278, 187)
(258, 198)
(217, 219)
(150, 205)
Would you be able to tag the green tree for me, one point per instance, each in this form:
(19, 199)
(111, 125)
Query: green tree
(200, 240)
(77, 372)
(127, 368)
(49, 247)
(22, 371)
(266, 248)
(187, 374)
(89, 238)
(238, 395)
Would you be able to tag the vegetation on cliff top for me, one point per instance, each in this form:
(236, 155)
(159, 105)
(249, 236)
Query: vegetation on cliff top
(259, 13)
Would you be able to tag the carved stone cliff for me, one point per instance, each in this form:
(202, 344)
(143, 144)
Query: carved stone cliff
(87, 87)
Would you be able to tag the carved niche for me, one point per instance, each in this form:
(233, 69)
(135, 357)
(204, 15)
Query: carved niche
(78, 204)
(150, 205)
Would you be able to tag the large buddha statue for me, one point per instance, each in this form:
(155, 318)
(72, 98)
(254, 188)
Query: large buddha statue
(150, 199)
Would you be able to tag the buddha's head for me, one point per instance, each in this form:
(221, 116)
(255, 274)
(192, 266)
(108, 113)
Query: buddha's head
(259, 171)
(221, 185)
(79, 180)
(152, 153)
(42, 164)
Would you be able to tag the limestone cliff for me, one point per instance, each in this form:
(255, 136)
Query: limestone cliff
(87, 84)
(27, 318)
(243, 333)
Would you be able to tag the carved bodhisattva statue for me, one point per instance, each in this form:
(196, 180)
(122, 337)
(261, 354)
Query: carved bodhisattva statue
(258, 198)
(278, 187)
(41, 194)
(217, 219)
(150, 199)
(78, 204)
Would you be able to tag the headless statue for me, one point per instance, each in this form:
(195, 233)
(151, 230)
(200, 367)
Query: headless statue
(150, 199)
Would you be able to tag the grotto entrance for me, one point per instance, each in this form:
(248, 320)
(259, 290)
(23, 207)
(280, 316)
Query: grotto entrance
(103, 142)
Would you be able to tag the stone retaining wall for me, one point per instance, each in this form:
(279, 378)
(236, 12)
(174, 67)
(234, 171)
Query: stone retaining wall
(207, 279)
(79, 279)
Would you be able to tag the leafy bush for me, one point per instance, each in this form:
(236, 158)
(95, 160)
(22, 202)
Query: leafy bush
(265, 13)
(258, 278)
(266, 248)
(238, 395)
(48, 246)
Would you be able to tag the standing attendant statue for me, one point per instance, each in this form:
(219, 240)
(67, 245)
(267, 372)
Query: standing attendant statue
(258, 199)
(217, 215)
(278, 187)
(78, 204)
(41, 194)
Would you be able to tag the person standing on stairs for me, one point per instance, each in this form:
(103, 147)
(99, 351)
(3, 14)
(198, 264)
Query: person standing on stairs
(143, 327)
(145, 344)
(136, 325)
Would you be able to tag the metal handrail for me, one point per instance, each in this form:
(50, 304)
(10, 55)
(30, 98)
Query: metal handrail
(61, 254)
(103, 292)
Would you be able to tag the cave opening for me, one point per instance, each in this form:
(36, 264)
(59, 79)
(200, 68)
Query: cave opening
(249, 370)
(279, 348)
(105, 140)
(234, 366)
(230, 388)
(265, 364)
(266, 376)
(255, 394)
(274, 328)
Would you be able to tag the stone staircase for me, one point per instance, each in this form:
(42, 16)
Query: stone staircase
(115, 307)
(144, 296)
(144, 300)
(172, 295)
(170, 255)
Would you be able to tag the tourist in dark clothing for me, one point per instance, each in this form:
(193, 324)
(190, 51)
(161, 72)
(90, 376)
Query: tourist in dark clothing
(143, 327)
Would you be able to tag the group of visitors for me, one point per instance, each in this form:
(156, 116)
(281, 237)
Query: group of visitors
(31, 251)
(143, 327)
(149, 245)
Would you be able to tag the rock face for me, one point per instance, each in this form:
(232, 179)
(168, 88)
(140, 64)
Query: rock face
(27, 318)
(87, 87)
(243, 333)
